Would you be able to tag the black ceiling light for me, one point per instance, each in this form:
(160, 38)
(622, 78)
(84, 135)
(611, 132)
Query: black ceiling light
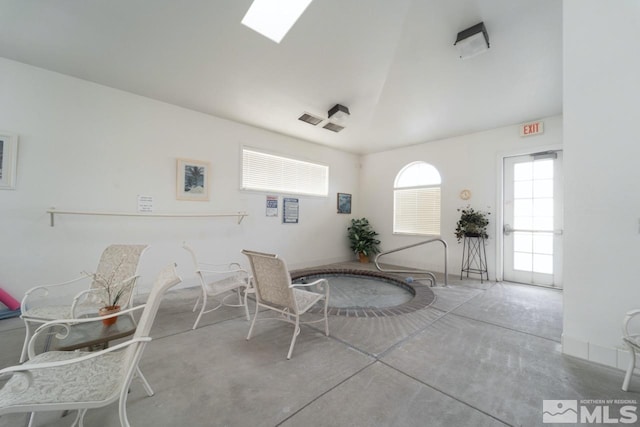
(338, 112)
(472, 41)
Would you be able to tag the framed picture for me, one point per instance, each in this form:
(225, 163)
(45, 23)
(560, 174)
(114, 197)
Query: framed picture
(192, 180)
(290, 210)
(272, 206)
(8, 160)
(344, 203)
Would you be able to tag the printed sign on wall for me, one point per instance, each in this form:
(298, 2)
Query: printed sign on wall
(290, 210)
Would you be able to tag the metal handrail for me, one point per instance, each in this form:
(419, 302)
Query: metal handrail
(428, 273)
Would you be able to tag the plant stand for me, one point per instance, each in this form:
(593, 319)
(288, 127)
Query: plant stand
(474, 257)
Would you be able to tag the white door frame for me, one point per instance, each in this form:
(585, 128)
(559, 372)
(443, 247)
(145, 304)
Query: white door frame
(500, 198)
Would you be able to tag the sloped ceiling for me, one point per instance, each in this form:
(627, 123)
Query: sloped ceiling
(392, 63)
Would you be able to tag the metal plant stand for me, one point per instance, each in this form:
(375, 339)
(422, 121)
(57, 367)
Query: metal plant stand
(474, 257)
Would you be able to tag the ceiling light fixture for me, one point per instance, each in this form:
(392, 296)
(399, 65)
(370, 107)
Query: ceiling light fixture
(472, 41)
(273, 19)
(338, 112)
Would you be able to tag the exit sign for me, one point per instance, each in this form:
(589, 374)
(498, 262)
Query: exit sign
(532, 128)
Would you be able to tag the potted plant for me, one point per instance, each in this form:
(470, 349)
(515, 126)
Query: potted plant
(110, 291)
(472, 223)
(363, 239)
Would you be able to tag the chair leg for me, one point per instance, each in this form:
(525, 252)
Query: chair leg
(255, 316)
(296, 331)
(122, 411)
(27, 337)
(145, 383)
(246, 305)
(630, 369)
(204, 305)
(196, 304)
(326, 317)
(79, 421)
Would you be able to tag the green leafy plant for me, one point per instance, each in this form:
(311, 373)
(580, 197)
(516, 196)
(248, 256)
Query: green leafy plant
(472, 223)
(362, 237)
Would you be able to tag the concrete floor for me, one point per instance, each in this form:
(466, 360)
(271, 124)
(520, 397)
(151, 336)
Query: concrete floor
(481, 355)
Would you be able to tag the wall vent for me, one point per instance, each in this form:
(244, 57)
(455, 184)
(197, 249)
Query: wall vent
(308, 118)
(333, 127)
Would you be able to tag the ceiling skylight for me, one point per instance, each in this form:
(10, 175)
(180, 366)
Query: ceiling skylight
(274, 18)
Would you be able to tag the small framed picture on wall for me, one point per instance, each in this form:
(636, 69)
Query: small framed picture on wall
(192, 180)
(344, 203)
(290, 210)
(8, 160)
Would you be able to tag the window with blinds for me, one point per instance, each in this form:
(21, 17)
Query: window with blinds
(416, 200)
(272, 173)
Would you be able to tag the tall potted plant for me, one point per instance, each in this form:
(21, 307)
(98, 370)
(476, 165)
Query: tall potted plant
(472, 223)
(363, 239)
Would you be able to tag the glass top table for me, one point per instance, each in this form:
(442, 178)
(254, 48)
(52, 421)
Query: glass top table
(93, 334)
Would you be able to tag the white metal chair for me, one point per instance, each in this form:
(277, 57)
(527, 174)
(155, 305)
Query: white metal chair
(633, 343)
(118, 264)
(274, 290)
(60, 380)
(219, 280)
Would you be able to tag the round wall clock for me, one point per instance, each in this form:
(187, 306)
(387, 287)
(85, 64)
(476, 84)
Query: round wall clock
(465, 194)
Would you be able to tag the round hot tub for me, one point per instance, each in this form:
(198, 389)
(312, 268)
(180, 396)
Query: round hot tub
(365, 293)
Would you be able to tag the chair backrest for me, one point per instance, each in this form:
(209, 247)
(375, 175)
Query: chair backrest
(167, 278)
(118, 263)
(194, 258)
(271, 279)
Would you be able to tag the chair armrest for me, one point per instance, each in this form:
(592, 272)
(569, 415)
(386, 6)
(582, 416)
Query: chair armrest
(45, 289)
(227, 271)
(323, 285)
(91, 355)
(315, 282)
(627, 318)
(65, 323)
(229, 266)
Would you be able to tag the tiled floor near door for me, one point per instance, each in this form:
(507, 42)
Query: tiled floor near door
(481, 355)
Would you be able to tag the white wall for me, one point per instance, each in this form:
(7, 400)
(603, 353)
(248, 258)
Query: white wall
(602, 148)
(465, 162)
(88, 147)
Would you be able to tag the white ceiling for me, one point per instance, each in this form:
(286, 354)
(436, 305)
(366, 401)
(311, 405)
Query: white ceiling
(392, 62)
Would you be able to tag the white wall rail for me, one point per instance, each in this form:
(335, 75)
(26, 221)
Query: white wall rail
(240, 215)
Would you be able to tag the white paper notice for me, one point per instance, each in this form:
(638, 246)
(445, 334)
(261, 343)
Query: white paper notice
(145, 203)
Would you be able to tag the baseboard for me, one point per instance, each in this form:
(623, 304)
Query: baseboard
(614, 357)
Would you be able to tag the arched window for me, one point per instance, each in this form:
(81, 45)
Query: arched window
(416, 200)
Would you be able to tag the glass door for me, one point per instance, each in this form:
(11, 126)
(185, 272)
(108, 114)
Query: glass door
(532, 219)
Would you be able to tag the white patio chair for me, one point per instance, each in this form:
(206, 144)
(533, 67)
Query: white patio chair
(118, 263)
(219, 280)
(60, 380)
(273, 289)
(633, 344)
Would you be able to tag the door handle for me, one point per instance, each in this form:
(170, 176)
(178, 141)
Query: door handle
(507, 229)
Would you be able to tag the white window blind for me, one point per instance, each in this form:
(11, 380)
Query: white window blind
(417, 211)
(416, 200)
(268, 172)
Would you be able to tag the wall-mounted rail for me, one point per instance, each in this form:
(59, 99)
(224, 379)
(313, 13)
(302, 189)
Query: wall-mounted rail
(430, 275)
(240, 215)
